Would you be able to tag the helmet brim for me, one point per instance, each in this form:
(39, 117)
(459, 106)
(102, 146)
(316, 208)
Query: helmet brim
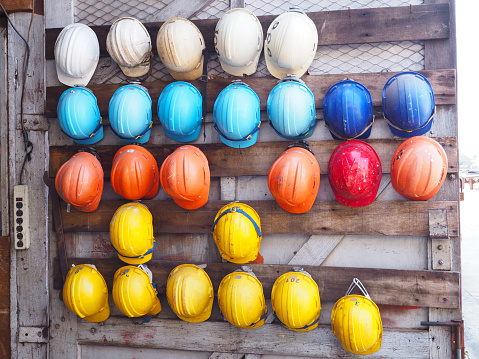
(199, 318)
(303, 208)
(183, 138)
(101, 316)
(363, 202)
(194, 204)
(241, 144)
(241, 70)
(94, 139)
(136, 71)
(136, 261)
(142, 140)
(280, 72)
(406, 134)
(190, 75)
(74, 81)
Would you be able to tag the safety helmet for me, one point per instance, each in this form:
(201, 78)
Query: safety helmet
(79, 116)
(295, 300)
(354, 173)
(236, 115)
(134, 173)
(290, 44)
(241, 299)
(130, 114)
(131, 233)
(180, 111)
(134, 293)
(348, 110)
(418, 168)
(85, 293)
(180, 46)
(237, 232)
(291, 109)
(294, 178)
(356, 322)
(238, 42)
(77, 52)
(129, 45)
(408, 104)
(79, 182)
(185, 176)
(190, 293)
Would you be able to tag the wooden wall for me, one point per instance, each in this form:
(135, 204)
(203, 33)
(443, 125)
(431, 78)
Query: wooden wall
(387, 244)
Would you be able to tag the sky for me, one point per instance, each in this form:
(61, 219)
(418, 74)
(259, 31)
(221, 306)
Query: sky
(467, 14)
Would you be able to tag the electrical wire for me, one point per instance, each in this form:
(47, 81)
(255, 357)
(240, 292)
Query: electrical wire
(27, 143)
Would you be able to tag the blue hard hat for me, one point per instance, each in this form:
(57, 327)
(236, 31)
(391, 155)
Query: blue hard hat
(130, 114)
(236, 115)
(291, 110)
(348, 110)
(408, 104)
(180, 111)
(79, 116)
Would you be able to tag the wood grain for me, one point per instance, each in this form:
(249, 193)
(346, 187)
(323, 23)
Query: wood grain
(418, 22)
(256, 160)
(5, 348)
(439, 289)
(388, 218)
(442, 81)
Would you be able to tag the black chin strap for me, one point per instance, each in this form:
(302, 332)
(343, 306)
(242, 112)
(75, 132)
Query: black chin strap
(204, 83)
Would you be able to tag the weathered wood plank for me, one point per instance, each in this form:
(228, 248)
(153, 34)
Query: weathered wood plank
(226, 161)
(5, 348)
(223, 337)
(178, 8)
(325, 217)
(419, 22)
(442, 81)
(439, 289)
(23, 5)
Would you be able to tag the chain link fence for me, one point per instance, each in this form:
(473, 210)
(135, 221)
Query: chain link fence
(336, 59)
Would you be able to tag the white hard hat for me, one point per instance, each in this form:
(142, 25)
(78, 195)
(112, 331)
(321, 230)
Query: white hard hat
(180, 46)
(290, 44)
(129, 45)
(76, 54)
(239, 41)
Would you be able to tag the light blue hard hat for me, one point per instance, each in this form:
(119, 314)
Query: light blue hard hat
(408, 104)
(291, 109)
(79, 116)
(236, 115)
(348, 110)
(130, 114)
(180, 111)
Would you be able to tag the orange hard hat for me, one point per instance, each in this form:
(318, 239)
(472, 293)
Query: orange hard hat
(293, 179)
(418, 168)
(185, 176)
(134, 173)
(79, 181)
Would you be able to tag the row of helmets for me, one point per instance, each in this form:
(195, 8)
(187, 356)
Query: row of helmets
(407, 100)
(238, 42)
(418, 170)
(355, 319)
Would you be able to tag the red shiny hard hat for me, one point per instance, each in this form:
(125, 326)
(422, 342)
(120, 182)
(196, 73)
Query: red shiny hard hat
(79, 182)
(354, 172)
(134, 173)
(293, 180)
(185, 176)
(418, 168)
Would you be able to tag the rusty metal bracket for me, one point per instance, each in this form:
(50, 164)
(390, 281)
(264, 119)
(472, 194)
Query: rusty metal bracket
(457, 336)
(440, 241)
(57, 219)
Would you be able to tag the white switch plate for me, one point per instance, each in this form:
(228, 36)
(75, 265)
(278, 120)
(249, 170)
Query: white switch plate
(21, 217)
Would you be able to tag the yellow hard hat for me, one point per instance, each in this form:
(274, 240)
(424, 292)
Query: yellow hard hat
(85, 293)
(190, 293)
(131, 233)
(241, 299)
(133, 292)
(356, 322)
(237, 233)
(295, 300)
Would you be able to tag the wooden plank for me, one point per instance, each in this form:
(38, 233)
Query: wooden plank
(226, 161)
(418, 22)
(223, 337)
(316, 250)
(439, 289)
(5, 348)
(442, 81)
(408, 218)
